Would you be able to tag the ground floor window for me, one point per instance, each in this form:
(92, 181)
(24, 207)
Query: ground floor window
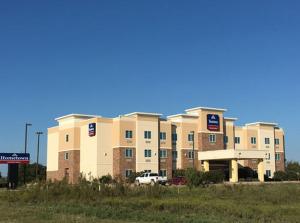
(190, 154)
(174, 154)
(66, 155)
(163, 173)
(128, 153)
(268, 173)
(128, 173)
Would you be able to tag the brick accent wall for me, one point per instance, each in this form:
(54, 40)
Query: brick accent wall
(188, 163)
(166, 163)
(121, 163)
(205, 145)
(251, 163)
(279, 164)
(72, 165)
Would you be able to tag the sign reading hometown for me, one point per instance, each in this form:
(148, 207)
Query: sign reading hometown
(213, 122)
(92, 129)
(14, 157)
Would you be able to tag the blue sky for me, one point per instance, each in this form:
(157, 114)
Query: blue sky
(115, 57)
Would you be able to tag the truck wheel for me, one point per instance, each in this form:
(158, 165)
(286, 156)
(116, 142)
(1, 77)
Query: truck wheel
(152, 182)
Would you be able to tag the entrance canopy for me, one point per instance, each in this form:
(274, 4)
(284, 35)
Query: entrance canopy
(8, 158)
(230, 154)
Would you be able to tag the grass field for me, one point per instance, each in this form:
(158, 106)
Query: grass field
(217, 203)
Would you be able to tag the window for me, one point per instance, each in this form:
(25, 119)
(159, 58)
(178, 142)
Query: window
(267, 141)
(268, 156)
(163, 153)
(277, 156)
(253, 140)
(128, 173)
(128, 134)
(190, 137)
(66, 173)
(268, 173)
(226, 139)
(190, 154)
(67, 138)
(163, 173)
(162, 136)
(277, 142)
(128, 153)
(66, 156)
(237, 140)
(147, 134)
(212, 138)
(174, 154)
(147, 152)
(174, 137)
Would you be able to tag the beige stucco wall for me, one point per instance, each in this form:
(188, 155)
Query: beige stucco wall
(52, 149)
(166, 126)
(229, 128)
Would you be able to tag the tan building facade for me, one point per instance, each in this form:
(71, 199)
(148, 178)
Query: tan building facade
(94, 146)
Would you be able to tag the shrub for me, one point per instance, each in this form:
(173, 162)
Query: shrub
(179, 173)
(106, 179)
(214, 176)
(133, 176)
(280, 176)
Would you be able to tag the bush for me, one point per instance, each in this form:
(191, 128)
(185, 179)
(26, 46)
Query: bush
(179, 173)
(214, 176)
(133, 176)
(280, 176)
(106, 179)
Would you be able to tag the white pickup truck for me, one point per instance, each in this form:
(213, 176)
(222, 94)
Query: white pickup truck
(150, 178)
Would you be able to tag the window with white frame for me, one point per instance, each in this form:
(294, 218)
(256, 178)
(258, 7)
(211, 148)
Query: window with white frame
(268, 173)
(237, 140)
(147, 134)
(163, 153)
(277, 156)
(67, 138)
(163, 136)
(128, 134)
(190, 154)
(190, 137)
(267, 141)
(253, 140)
(277, 141)
(147, 153)
(128, 173)
(128, 152)
(163, 173)
(212, 138)
(66, 155)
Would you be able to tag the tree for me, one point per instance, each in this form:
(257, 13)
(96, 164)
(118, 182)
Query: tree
(31, 174)
(293, 170)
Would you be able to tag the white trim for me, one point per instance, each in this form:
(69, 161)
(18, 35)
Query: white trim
(143, 113)
(77, 115)
(211, 132)
(123, 147)
(230, 119)
(183, 115)
(67, 150)
(205, 108)
(262, 123)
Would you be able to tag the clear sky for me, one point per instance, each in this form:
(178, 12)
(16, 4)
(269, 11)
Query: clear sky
(114, 57)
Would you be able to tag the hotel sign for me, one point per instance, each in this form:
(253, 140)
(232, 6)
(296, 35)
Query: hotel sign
(213, 122)
(14, 157)
(92, 129)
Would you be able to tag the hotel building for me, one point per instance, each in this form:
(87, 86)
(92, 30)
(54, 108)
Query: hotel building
(201, 137)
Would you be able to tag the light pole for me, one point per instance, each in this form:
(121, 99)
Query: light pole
(26, 136)
(193, 134)
(37, 155)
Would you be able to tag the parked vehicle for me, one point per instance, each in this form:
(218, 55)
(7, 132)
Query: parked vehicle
(150, 178)
(178, 181)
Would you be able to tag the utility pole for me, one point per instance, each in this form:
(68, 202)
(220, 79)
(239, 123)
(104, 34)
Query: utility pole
(37, 155)
(26, 137)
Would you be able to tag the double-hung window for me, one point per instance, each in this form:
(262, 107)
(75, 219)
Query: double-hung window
(237, 140)
(162, 136)
(190, 137)
(128, 134)
(163, 153)
(253, 140)
(212, 138)
(190, 154)
(277, 142)
(147, 153)
(147, 134)
(277, 156)
(128, 153)
(267, 141)
(128, 173)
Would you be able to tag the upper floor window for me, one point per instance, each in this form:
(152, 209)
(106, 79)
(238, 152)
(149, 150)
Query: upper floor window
(163, 136)
(268, 156)
(277, 142)
(67, 138)
(212, 138)
(128, 134)
(147, 134)
(66, 156)
(237, 140)
(277, 156)
(163, 153)
(128, 153)
(226, 139)
(174, 137)
(190, 154)
(174, 154)
(190, 137)
(253, 140)
(267, 141)
(147, 153)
